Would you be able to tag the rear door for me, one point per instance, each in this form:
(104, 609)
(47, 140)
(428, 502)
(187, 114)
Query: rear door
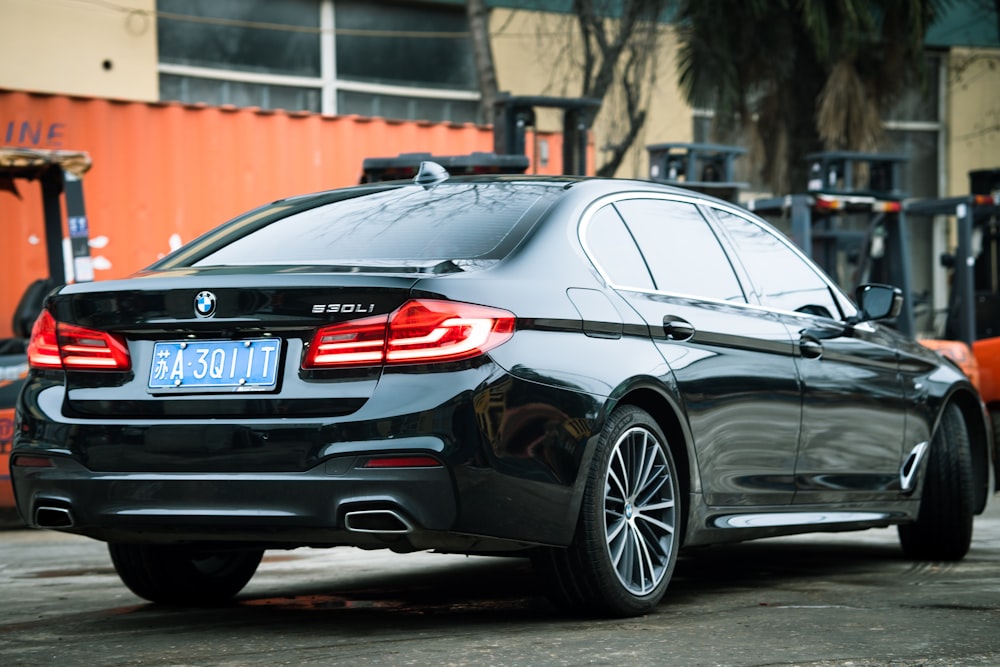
(733, 363)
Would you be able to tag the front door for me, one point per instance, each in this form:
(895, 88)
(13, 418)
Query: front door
(853, 408)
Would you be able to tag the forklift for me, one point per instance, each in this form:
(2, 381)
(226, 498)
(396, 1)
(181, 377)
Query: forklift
(856, 223)
(971, 331)
(514, 115)
(58, 173)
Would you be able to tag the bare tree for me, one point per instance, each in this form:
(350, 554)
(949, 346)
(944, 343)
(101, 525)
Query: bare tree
(619, 40)
(614, 62)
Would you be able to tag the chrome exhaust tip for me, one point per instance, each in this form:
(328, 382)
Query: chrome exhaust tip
(381, 521)
(53, 517)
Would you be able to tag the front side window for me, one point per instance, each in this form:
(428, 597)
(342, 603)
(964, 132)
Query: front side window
(781, 278)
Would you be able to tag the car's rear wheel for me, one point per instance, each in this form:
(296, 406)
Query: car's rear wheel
(171, 574)
(943, 529)
(628, 533)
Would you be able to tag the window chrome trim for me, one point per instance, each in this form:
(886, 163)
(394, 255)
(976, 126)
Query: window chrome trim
(604, 200)
(241, 76)
(318, 83)
(327, 58)
(407, 91)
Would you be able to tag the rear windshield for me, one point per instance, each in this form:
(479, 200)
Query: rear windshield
(411, 224)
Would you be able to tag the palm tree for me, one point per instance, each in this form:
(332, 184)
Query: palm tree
(801, 75)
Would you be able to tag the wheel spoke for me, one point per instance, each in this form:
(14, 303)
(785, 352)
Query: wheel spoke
(616, 483)
(662, 505)
(620, 546)
(616, 527)
(623, 482)
(644, 556)
(652, 486)
(667, 528)
(647, 476)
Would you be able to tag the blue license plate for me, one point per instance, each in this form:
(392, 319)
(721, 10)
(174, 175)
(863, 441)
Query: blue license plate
(222, 365)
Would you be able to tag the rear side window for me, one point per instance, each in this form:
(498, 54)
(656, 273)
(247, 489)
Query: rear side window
(399, 226)
(680, 249)
(615, 252)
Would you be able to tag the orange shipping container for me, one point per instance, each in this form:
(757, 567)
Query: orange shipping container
(164, 173)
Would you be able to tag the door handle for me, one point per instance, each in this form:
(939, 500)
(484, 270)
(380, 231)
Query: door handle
(810, 347)
(677, 328)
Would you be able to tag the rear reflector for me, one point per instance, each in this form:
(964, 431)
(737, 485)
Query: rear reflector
(67, 346)
(25, 461)
(418, 461)
(419, 331)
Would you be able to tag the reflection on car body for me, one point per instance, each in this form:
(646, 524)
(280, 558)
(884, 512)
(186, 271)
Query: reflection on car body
(595, 373)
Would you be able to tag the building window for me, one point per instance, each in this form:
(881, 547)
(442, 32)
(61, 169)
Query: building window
(913, 128)
(331, 56)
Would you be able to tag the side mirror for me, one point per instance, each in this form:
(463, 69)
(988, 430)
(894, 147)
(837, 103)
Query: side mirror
(878, 302)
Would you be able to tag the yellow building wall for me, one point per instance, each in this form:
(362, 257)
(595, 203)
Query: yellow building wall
(538, 53)
(108, 50)
(93, 49)
(973, 125)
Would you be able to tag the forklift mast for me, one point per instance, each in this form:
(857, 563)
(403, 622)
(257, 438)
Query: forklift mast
(58, 173)
(852, 212)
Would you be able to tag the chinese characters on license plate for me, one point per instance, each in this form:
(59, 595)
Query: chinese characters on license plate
(221, 365)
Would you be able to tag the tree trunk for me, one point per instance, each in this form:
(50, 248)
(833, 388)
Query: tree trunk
(479, 25)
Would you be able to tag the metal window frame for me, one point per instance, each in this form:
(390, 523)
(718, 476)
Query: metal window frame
(328, 83)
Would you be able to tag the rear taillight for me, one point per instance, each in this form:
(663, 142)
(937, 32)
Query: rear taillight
(43, 347)
(419, 331)
(426, 330)
(355, 343)
(67, 346)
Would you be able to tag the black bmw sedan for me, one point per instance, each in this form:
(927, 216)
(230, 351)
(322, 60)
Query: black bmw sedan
(595, 373)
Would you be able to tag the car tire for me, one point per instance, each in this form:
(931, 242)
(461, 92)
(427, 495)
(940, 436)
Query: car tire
(625, 547)
(995, 418)
(943, 529)
(169, 574)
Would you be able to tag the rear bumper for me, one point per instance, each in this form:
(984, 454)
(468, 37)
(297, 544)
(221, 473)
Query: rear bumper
(337, 502)
(510, 453)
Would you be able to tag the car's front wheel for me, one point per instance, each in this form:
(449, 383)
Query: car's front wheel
(172, 574)
(628, 533)
(943, 529)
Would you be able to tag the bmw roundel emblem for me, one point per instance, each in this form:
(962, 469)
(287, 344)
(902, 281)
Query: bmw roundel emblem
(204, 304)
